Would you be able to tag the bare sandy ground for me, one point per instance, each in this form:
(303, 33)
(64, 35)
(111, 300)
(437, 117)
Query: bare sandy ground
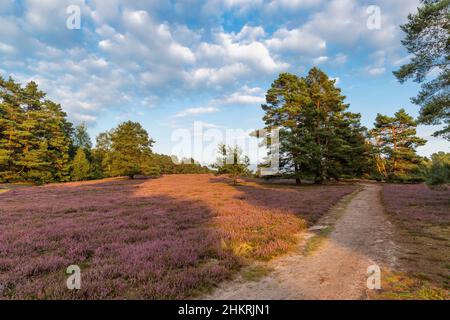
(338, 268)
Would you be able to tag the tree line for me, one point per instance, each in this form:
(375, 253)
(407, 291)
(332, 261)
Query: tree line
(319, 140)
(38, 144)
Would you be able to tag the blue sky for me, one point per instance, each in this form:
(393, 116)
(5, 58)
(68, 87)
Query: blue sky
(167, 64)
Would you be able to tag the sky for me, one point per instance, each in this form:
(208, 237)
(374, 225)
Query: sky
(170, 64)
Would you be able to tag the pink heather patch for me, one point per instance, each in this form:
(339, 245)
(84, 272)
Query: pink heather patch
(417, 202)
(165, 238)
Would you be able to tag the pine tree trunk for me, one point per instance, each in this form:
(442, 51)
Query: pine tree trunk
(297, 171)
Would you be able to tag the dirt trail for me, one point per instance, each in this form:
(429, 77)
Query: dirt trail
(337, 269)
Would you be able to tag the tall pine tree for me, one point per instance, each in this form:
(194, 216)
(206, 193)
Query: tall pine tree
(131, 149)
(428, 40)
(319, 138)
(396, 144)
(81, 166)
(35, 135)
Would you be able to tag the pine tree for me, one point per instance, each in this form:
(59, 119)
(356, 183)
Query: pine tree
(81, 166)
(59, 141)
(35, 137)
(101, 156)
(318, 138)
(396, 144)
(427, 39)
(131, 148)
(282, 110)
(232, 162)
(81, 138)
(12, 132)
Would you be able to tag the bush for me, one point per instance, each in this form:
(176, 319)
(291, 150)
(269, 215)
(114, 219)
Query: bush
(439, 169)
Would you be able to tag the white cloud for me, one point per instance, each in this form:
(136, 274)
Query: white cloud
(228, 49)
(6, 48)
(378, 61)
(345, 22)
(240, 6)
(297, 40)
(196, 111)
(208, 125)
(244, 96)
(130, 50)
(144, 39)
(250, 34)
(217, 76)
(291, 5)
(340, 59)
(320, 60)
(239, 98)
(376, 71)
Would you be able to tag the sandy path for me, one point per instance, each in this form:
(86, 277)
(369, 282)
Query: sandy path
(336, 270)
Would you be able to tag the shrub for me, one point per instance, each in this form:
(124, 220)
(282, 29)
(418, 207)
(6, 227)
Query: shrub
(439, 169)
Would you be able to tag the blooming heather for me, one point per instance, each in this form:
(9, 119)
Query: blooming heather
(167, 238)
(417, 202)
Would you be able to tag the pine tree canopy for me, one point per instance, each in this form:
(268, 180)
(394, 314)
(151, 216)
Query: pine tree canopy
(232, 162)
(427, 39)
(81, 166)
(319, 139)
(35, 136)
(396, 143)
(81, 137)
(131, 147)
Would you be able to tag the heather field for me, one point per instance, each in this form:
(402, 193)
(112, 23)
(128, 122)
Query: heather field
(167, 238)
(423, 219)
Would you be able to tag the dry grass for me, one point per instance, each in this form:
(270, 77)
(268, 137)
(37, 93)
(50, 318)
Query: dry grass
(402, 286)
(166, 238)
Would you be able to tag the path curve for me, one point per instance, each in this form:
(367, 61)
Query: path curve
(337, 270)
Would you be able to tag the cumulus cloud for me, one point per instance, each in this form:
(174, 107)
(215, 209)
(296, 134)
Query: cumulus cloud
(244, 96)
(297, 40)
(320, 60)
(375, 71)
(196, 111)
(274, 6)
(250, 96)
(378, 61)
(240, 48)
(139, 53)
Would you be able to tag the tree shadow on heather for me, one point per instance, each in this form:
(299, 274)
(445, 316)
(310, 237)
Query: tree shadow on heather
(128, 245)
(308, 202)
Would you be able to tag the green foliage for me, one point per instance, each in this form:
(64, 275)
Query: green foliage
(232, 162)
(152, 164)
(395, 144)
(38, 144)
(130, 149)
(34, 136)
(427, 39)
(81, 137)
(319, 139)
(171, 165)
(81, 166)
(101, 156)
(439, 169)
(153, 171)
